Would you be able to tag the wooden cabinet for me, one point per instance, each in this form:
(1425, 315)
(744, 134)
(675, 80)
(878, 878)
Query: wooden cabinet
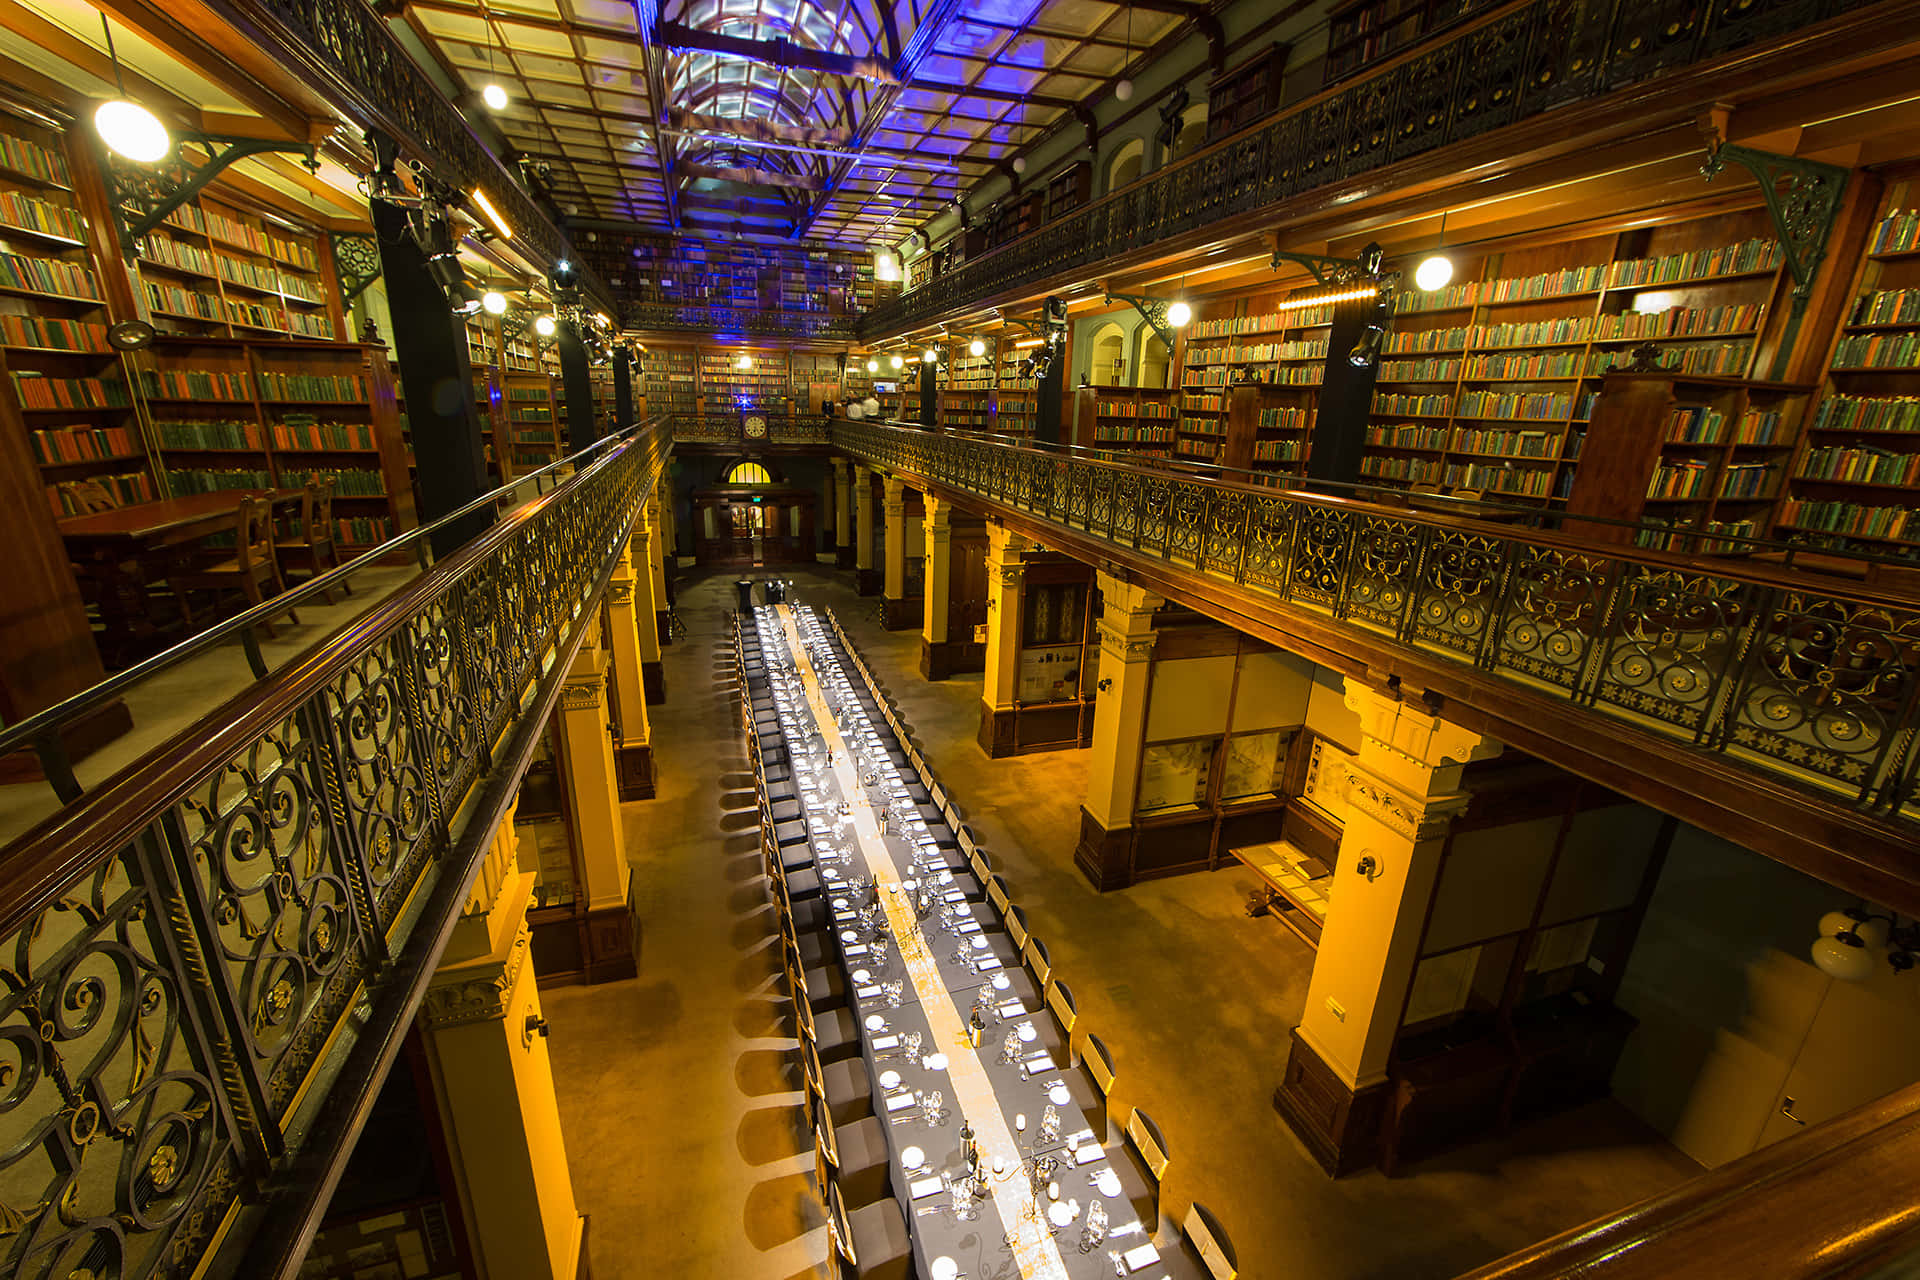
(1246, 94)
(1363, 32)
(1069, 189)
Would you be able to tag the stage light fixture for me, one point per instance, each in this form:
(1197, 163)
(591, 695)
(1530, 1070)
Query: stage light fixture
(744, 362)
(494, 302)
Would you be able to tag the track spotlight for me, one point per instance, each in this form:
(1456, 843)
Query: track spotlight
(493, 302)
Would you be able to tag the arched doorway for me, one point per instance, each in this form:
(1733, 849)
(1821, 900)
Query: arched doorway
(1124, 166)
(753, 517)
(1108, 367)
(1153, 361)
(1193, 132)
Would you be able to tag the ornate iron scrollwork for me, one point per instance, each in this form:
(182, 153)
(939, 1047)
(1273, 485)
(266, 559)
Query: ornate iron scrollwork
(157, 190)
(1803, 197)
(356, 260)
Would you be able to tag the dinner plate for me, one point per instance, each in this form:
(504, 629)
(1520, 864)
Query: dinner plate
(1027, 1031)
(1059, 1095)
(914, 1157)
(1106, 1182)
(875, 1022)
(1001, 982)
(944, 1269)
(888, 1079)
(848, 935)
(1060, 1213)
(934, 1062)
(862, 977)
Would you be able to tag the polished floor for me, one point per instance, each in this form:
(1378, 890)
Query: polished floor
(683, 1121)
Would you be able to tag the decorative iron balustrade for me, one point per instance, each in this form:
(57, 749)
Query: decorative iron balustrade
(1804, 684)
(345, 48)
(192, 948)
(724, 428)
(1533, 58)
(720, 323)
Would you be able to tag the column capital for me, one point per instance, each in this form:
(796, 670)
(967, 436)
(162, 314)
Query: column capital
(1392, 729)
(894, 489)
(1416, 817)
(1118, 596)
(938, 510)
(1004, 544)
(583, 690)
(620, 591)
(477, 991)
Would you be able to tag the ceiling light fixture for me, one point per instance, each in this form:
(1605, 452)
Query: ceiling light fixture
(976, 348)
(493, 302)
(929, 356)
(1124, 89)
(1849, 939)
(1028, 342)
(544, 326)
(873, 366)
(129, 129)
(492, 214)
(1436, 269)
(1178, 314)
(898, 363)
(744, 362)
(491, 93)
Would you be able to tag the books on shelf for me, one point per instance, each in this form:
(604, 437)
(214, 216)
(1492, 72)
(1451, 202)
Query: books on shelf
(1679, 322)
(1435, 406)
(82, 444)
(218, 481)
(1734, 259)
(1561, 364)
(1120, 432)
(1204, 426)
(17, 209)
(1898, 232)
(1759, 426)
(304, 431)
(1868, 413)
(1499, 440)
(1887, 306)
(38, 391)
(1747, 481)
(1680, 478)
(348, 483)
(313, 386)
(1412, 470)
(1877, 351)
(1535, 333)
(1860, 464)
(1420, 340)
(1532, 482)
(52, 334)
(1547, 284)
(126, 488)
(1419, 370)
(48, 275)
(43, 163)
(1536, 406)
(1276, 417)
(1696, 424)
(1407, 435)
(230, 434)
(165, 251)
(1277, 450)
(194, 384)
(1890, 523)
(172, 300)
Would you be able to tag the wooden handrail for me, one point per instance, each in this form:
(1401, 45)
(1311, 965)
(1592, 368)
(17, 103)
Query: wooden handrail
(1835, 1200)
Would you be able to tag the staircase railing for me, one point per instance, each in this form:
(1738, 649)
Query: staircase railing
(210, 959)
(1788, 676)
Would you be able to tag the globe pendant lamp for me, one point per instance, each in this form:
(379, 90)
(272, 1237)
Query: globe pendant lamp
(1436, 269)
(129, 129)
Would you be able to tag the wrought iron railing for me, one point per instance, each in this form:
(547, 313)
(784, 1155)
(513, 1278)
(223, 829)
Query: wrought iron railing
(1530, 59)
(199, 950)
(724, 428)
(1790, 675)
(719, 323)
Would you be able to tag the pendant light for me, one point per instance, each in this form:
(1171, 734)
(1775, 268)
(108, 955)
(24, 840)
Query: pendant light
(976, 348)
(492, 93)
(1179, 312)
(1123, 89)
(1436, 269)
(129, 129)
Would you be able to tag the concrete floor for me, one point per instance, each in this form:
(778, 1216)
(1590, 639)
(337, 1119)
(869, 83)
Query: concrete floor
(683, 1122)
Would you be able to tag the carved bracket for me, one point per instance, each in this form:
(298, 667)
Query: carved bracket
(356, 260)
(1153, 311)
(1803, 198)
(155, 191)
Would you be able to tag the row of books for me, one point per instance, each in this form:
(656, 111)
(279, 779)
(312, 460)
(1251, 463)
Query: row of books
(1398, 402)
(1533, 482)
(351, 483)
(1733, 259)
(25, 156)
(1299, 318)
(1107, 431)
(1408, 435)
(1562, 364)
(1751, 481)
(38, 391)
(235, 232)
(1679, 322)
(229, 434)
(1209, 449)
(1203, 403)
(1680, 478)
(1260, 353)
(1695, 424)
(1284, 418)
(179, 254)
(362, 531)
(1878, 351)
(265, 278)
(195, 384)
(1861, 465)
(1278, 450)
(1132, 409)
(1414, 470)
(18, 209)
(125, 489)
(1547, 284)
(82, 444)
(52, 334)
(312, 386)
(1868, 413)
(1419, 370)
(1850, 518)
(1887, 306)
(1512, 444)
(220, 481)
(47, 275)
(1203, 426)
(172, 300)
(302, 431)
(1898, 232)
(1509, 404)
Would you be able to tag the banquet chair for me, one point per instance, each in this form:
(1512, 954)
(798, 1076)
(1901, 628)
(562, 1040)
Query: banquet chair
(1091, 1084)
(252, 569)
(841, 1091)
(1060, 1005)
(1206, 1242)
(998, 894)
(825, 987)
(854, 1160)
(870, 1243)
(1014, 925)
(800, 918)
(1039, 963)
(1147, 1152)
(832, 1034)
(313, 550)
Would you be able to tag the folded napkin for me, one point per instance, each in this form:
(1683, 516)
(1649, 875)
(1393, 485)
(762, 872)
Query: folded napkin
(1087, 1153)
(885, 1042)
(921, 1187)
(988, 962)
(901, 1101)
(1143, 1256)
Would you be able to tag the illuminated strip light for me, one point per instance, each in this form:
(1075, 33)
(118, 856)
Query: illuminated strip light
(1029, 342)
(1327, 299)
(493, 214)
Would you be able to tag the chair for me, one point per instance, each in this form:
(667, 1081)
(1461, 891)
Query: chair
(998, 895)
(1039, 963)
(1065, 1014)
(87, 496)
(1015, 926)
(832, 1032)
(1469, 495)
(853, 1159)
(252, 568)
(870, 1243)
(313, 551)
(1208, 1244)
(1092, 1087)
(1147, 1152)
(840, 1091)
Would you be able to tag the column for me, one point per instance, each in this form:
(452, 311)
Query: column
(1105, 851)
(577, 384)
(430, 346)
(593, 803)
(842, 513)
(633, 747)
(641, 548)
(865, 580)
(936, 589)
(622, 388)
(1006, 594)
(657, 569)
(487, 1054)
(896, 612)
(1404, 791)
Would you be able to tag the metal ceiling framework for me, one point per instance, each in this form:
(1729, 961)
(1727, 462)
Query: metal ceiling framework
(837, 121)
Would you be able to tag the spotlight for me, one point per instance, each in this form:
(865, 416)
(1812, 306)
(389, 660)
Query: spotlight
(1178, 314)
(1434, 272)
(563, 272)
(493, 302)
(132, 131)
(976, 348)
(463, 298)
(929, 356)
(873, 366)
(898, 363)
(495, 97)
(544, 326)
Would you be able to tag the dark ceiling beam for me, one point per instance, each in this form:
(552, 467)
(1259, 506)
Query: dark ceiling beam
(997, 95)
(761, 178)
(777, 53)
(757, 130)
(651, 60)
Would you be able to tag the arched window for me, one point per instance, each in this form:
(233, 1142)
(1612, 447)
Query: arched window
(1152, 361)
(749, 473)
(1108, 367)
(1124, 167)
(1193, 131)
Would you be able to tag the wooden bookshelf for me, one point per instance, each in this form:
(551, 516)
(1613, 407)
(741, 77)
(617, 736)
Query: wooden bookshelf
(533, 411)
(218, 268)
(969, 372)
(966, 410)
(1269, 427)
(671, 379)
(1693, 455)
(1134, 421)
(1854, 475)
(1016, 400)
(1361, 33)
(1068, 189)
(1245, 94)
(726, 388)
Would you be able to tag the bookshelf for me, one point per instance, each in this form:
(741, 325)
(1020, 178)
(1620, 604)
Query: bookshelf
(1243, 95)
(214, 268)
(966, 409)
(1068, 189)
(1269, 427)
(1135, 421)
(969, 372)
(532, 405)
(725, 387)
(1363, 32)
(1016, 400)
(1693, 455)
(1490, 383)
(671, 374)
(1854, 474)
(1281, 349)
(815, 378)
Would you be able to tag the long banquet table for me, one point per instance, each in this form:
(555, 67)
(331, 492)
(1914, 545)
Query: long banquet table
(875, 844)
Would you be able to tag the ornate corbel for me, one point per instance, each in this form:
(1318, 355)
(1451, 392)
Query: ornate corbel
(156, 190)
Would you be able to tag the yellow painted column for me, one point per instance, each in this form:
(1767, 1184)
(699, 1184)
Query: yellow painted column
(1006, 577)
(1119, 721)
(633, 749)
(1404, 789)
(593, 803)
(864, 578)
(487, 1053)
(843, 513)
(657, 569)
(894, 509)
(642, 548)
(936, 586)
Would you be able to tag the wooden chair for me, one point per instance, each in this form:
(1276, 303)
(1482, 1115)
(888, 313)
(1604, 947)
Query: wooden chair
(88, 496)
(313, 551)
(252, 568)
(1207, 1241)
